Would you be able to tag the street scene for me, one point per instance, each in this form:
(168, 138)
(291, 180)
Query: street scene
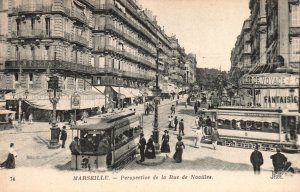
(113, 91)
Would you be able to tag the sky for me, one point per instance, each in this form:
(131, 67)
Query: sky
(207, 28)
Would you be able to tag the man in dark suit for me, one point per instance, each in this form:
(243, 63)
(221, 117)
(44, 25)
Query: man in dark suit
(142, 144)
(278, 161)
(257, 160)
(63, 137)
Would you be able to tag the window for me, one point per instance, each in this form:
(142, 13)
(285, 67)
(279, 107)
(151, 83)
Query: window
(295, 16)
(33, 53)
(47, 23)
(16, 77)
(98, 80)
(101, 62)
(93, 61)
(18, 27)
(30, 77)
(17, 53)
(295, 50)
(32, 24)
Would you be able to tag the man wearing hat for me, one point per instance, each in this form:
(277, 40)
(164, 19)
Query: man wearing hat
(142, 144)
(256, 160)
(278, 161)
(74, 147)
(63, 137)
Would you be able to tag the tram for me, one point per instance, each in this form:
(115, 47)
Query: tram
(107, 142)
(246, 127)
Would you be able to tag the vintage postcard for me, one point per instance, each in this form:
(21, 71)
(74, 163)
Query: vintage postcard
(149, 95)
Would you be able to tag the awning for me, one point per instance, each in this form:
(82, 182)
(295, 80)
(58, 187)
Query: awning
(40, 99)
(136, 92)
(124, 91)
(4, 111)
(98, 88)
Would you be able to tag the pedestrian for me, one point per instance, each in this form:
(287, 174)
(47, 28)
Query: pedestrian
(142, 144)
(71, 121)
(278, 160)
(172, 109)
(200, 122)
(175, 123)
(58, 131)
(208, 123)
(196, 122)
(84, 116)
(74, 147)
(150, 151)
(256, 160)
(181, 127)
(23, 118)
(196, 107)
(165, 147)
(215, 138)
(198, 136)
(63, 137)
(102, 109)
(178, 150)
(170, 121)
(30, 118)
(10, 162)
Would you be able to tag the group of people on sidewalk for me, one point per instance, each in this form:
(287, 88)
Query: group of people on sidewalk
(279, 161)
(148, 150)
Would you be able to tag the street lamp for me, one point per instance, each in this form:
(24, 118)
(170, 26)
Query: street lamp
(20, 99)
(54, 96)
(157, 93)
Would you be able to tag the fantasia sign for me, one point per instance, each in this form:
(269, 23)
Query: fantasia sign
(270, 80)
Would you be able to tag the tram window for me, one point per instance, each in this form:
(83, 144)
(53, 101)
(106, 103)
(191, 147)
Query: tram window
(233, 126)
(258, 126)
(220, 123)
(249, 125)
(130, 133)
(243, 124)
(227, 124)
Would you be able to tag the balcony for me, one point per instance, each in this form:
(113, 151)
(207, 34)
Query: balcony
(51, 64)
(79, 39)
(29, 33)
(38, 8)
(109, 6)
(294, 31)
(79, 16)
(262, 21)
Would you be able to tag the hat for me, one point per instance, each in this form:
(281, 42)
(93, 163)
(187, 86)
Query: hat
(141, 134)
(278, 150)
(64, 127)
(166, 131)
(76, 138)
(179, 138)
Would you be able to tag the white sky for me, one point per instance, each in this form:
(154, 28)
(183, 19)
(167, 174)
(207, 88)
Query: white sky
(207, 28)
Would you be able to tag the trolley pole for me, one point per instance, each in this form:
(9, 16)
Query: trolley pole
(156, 101)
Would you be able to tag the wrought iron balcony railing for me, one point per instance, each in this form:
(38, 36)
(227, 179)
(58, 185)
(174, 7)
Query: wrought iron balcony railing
(30, 33)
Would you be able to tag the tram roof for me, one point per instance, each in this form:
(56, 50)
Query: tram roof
(256, 109)
(103, 122)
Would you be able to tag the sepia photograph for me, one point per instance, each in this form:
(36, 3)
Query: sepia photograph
(149, 95)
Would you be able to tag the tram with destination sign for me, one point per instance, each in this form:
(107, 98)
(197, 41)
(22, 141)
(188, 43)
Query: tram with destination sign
(107, 141)
(246, 127)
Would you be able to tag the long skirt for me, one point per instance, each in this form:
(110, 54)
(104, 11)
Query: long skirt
(178, 155)
(165, 147)
(150, 153)
(10, 162)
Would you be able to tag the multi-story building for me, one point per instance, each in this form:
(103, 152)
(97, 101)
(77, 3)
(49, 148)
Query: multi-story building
(274, 51)
(191, 63)
(86, 43)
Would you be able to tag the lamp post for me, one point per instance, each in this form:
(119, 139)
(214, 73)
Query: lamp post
(54, 96)
(20, 99)
(157, 92)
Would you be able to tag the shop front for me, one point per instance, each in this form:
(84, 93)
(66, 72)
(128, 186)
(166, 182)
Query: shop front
(270, 90)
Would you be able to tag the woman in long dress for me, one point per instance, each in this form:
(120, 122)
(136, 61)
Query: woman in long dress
(10, 162)
(150, 151)
(165, 147)
(179, 150)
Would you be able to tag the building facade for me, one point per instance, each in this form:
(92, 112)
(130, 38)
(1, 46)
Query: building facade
(270, 78)
(86, 43)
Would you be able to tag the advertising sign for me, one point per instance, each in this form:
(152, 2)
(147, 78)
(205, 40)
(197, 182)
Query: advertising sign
(75, 101)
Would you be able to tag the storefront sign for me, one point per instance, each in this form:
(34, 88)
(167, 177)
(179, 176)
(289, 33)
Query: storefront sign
(75, 101)
(270, 80)
(281, 99)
